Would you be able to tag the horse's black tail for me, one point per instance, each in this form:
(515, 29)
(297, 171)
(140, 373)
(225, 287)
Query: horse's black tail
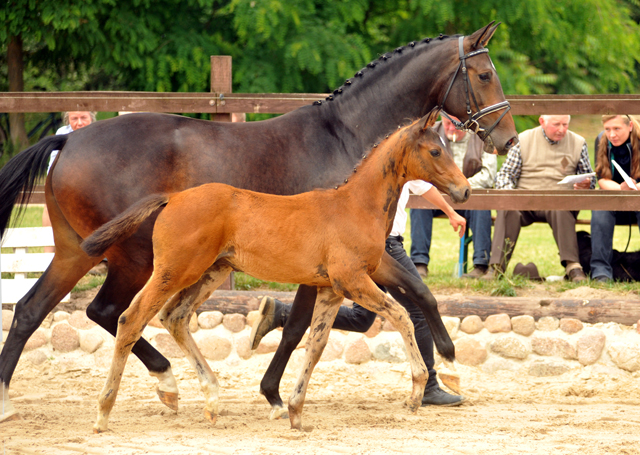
(123, 226)
(19, 176)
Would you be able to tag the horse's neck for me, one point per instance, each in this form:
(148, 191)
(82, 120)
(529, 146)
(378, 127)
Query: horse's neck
(402, 88)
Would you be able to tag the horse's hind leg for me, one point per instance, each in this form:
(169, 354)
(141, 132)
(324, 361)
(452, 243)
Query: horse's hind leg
(130, 326)
(69, 264)
(326, 308)
(294, 329)
(175, 316)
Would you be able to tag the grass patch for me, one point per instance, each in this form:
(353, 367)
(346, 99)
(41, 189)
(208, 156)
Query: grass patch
(535, 244)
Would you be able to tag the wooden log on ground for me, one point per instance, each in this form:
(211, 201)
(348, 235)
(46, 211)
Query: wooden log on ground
(623, 310)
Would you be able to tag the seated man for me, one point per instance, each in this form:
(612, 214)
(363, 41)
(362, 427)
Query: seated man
(545, 155)
(480, 169)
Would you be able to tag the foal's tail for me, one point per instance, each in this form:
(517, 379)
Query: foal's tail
(123, 226)
(19, 176)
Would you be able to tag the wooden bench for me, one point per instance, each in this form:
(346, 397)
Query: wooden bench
(21, 261)
(534, 200)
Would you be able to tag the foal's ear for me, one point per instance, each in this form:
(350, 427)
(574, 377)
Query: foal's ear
(430, 118)
(482, 36)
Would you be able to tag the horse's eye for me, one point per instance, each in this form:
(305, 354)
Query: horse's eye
(435, 153)
(485, 77)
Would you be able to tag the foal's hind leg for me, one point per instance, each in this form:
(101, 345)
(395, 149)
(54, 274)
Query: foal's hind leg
(327, 306)
(175, 316)
(127, 275)
(130, 326)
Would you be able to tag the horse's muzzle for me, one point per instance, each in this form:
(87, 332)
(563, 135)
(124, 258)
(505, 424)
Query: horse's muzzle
(459, 194)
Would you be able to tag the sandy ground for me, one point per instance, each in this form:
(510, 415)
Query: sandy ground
(349, 409)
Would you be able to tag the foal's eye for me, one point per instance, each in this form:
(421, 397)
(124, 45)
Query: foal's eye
(435, 153)
(485, 77)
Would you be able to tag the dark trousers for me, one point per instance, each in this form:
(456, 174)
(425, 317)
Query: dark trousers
(507, 230)
(479, 222)
(602, 224)
(359, 319)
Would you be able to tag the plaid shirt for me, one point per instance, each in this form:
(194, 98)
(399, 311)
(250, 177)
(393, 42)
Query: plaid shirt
(509, 174)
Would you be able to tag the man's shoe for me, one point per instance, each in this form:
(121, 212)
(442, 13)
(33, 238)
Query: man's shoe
(269, 318)
(477, 272)
(423, 270)
(438, 397)
(576, 275)
(602, 279)
(492, 274)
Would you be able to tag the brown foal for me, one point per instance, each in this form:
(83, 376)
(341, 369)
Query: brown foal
(333, 239)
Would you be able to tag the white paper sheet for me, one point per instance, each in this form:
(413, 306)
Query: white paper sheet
(624, 175)
(576, 178)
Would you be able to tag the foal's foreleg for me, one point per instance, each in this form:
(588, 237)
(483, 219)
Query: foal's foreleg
(130, 326)
(327, 306)
(367, 294)
(401, 284)
(175, 316)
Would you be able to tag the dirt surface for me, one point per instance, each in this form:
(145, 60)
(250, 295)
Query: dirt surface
(349, 409)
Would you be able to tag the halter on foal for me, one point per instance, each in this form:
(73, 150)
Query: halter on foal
(334, 239)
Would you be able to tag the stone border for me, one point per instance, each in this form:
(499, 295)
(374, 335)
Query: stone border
(546, 347)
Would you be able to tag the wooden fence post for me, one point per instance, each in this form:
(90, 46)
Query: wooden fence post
(221, 78)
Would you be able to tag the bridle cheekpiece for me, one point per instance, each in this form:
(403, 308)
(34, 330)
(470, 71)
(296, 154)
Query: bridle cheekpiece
(472, 122)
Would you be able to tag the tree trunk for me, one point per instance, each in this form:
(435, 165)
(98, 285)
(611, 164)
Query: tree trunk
(16, 84)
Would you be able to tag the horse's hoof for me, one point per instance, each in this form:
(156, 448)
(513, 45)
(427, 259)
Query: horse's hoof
(10, 417)
(169, 399)
(278, 413)
(451, 380)
(211, 417)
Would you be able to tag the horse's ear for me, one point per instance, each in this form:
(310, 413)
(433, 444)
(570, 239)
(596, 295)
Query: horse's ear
(481, 37)
(430, 118)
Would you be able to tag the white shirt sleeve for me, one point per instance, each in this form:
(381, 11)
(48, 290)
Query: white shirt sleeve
(419, 187)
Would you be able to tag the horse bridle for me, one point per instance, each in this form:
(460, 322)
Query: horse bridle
(472, 122)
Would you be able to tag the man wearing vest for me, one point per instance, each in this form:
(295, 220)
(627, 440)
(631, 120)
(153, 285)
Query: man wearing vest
(546, 154)
(480, 169)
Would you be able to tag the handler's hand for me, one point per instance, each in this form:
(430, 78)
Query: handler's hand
(584, 185)
(625, 187)
(458, 223)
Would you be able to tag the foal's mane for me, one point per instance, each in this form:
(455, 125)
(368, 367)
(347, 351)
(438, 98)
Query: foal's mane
(377, 146)
(386, 59)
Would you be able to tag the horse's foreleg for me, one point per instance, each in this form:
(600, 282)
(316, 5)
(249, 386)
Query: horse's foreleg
(326, 308)
(56, 282)
(401, 284)
(367, 294)
(130, 326)
(294, 329)
(175, 316)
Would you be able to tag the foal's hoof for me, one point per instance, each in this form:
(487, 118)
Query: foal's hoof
(278, 413)
(170, 399)
(210, 416)
(412, 404)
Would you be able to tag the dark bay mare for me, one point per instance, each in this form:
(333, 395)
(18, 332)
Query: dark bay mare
(267, 236)
(106, 167)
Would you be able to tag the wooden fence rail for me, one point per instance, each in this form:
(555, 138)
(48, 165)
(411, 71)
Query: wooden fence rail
(278, 103)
